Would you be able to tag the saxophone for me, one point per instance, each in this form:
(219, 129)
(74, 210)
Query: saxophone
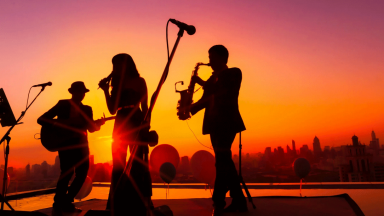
(186, 96)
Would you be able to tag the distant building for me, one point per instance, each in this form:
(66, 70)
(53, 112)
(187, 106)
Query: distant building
(279, 155)
(28, 171)
(374, 143)
(10, 172)
(56, 167)
(304, 150)
(316, 147)
(327, 152)
(268, 152)
(359, 166)
(289, 151)
(280, 151)
(294, 148)
(378, 172)
(36, 170)
(44, 169)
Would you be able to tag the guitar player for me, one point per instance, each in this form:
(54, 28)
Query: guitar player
(75, 119)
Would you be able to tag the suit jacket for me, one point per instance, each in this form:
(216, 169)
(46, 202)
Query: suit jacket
(79, 126)
(220, 100)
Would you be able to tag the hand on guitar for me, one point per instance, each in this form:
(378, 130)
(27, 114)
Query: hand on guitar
(100, 122)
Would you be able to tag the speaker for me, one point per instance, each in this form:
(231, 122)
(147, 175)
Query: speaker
(20, 213)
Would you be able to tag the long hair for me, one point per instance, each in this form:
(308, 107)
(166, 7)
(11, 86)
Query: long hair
(128, 69)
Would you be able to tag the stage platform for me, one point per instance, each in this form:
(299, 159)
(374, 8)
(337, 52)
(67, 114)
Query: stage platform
(272, 205)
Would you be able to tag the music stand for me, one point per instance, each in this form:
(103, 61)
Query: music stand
(6, 115)
(8, 119)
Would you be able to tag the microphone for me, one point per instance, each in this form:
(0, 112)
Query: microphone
(190, 29)
(43, 84)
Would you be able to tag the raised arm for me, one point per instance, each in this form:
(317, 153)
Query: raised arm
(109, 98)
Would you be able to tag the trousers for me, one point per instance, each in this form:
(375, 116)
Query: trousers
(227, 177)
(72, 161)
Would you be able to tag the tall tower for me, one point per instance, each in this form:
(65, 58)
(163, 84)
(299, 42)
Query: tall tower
(355, 140)
(374, 144)
(373, 135)
(28, 170)
(289, 151)
(316, 147)
(294, 147)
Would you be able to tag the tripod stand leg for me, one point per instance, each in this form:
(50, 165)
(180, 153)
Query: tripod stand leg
(241, 176)
(3, 200)
(247, 192)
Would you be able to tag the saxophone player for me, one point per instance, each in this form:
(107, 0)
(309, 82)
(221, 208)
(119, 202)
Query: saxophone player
(222, 121)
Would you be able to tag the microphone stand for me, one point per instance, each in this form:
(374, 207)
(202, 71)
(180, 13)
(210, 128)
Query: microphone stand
(154, 98)
(7, 138)
(241, 176)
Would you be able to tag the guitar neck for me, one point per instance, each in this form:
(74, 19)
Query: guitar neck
(109, 118)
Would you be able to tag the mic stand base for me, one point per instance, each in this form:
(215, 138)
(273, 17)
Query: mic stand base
(8, 139)
(241, 176)
(5, 177)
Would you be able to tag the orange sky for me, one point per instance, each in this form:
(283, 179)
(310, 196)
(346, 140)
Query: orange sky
(308, 68)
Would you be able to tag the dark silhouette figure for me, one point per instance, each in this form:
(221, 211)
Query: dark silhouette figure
(222, 121)
(76, 119)
(128, 94)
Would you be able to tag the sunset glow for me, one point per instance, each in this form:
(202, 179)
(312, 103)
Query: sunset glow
(309, 68)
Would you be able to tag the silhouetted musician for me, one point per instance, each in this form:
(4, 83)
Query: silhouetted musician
(76, 119)
(222, 120)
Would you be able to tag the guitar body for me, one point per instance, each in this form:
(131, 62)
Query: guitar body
(52, 138)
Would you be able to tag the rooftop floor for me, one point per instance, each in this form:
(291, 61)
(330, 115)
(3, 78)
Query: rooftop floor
(295, 206)
(369, 200)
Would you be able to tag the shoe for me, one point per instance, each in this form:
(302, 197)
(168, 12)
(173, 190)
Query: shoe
(237, 206)
(217, 212)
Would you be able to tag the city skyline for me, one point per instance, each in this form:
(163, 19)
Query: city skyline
(287, 149)
(354, 162)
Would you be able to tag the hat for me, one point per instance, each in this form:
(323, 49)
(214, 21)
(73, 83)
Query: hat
(78, 87)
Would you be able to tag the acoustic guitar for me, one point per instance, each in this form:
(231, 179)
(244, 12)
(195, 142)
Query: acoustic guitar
(53, 137)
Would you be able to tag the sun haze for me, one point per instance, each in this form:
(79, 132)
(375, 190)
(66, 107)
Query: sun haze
(309, 68)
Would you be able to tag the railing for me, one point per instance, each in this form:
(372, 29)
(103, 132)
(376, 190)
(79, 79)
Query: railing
(260, 186)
